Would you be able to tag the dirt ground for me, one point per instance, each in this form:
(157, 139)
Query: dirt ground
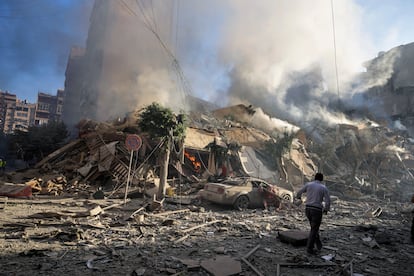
(69, 236)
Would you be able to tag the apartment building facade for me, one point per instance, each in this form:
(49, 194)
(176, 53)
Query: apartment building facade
(49, 107)
(7, 107)
(16, 114)
(24, 115)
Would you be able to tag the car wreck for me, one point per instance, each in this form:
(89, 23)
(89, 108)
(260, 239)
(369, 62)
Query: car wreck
(244, 192)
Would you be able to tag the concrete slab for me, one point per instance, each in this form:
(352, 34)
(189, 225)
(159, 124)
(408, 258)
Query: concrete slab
(222, 266)
(294, 237)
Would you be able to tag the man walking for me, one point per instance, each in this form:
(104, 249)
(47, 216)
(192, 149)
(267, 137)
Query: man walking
(316, 193)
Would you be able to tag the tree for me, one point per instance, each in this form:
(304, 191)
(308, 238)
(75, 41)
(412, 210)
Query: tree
(38, 141)
(161, 123)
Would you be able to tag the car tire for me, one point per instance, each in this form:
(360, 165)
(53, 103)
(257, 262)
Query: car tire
(287, 197)
(242, 203)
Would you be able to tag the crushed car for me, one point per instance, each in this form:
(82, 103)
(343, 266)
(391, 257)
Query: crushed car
(243, 193)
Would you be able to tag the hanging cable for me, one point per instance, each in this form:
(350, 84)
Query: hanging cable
(153, 16)
(177, 20)
(204, 165)
(127, 8)
(180, 86)
(335, 54)
(176, 65)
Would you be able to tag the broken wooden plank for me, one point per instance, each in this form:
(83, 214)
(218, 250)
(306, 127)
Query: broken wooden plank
(114, 205)
(201, 225)
(308, 265)
(137, 211)
(181, 239)
(252, 266)
(252, 251)
(163, 214)
(61, 150)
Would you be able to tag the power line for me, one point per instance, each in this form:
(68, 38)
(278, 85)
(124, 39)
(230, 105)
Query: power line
(175, 63)
(335, 55)
(177, 20)
(152, 27)
(147, 20)
(153, 16)
(128, 9)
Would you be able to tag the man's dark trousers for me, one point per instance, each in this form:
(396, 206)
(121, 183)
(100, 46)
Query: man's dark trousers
(314, 215)
(412, 230)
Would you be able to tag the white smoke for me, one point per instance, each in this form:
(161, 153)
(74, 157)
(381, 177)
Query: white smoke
(399, 125)
(272, 125)
(381, 70)
(274, 54)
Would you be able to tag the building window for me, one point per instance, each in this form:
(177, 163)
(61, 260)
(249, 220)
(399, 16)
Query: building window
(21, 114)
(43, 106)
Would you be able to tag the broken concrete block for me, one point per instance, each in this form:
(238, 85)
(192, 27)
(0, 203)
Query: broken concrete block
(220, 250)
(222, 266)
(294, 237)
(95, 211)
(191, 264)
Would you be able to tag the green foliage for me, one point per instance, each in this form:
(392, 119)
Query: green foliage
(159, 121)
(38, 141)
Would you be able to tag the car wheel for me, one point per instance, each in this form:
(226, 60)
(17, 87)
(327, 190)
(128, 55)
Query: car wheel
(242, 203)
(287, 197)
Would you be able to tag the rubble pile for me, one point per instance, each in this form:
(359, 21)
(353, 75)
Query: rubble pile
(81, 236)
(365, 158)
(96, 160)
(78, 221)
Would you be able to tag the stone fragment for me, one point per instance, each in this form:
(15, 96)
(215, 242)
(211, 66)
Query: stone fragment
(222, 266)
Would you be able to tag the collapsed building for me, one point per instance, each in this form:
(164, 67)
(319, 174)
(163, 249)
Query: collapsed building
(391, 86)
(357, 160)
(104, 81)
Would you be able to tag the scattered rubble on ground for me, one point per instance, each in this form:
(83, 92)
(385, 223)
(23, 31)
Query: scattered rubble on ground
(72, 211)
(49, 235)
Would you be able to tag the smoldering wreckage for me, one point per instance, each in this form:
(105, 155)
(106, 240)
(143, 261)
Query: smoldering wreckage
(80, 218)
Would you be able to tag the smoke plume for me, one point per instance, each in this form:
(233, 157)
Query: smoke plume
(276, 55)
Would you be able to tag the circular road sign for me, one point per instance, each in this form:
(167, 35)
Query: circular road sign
(133, 142)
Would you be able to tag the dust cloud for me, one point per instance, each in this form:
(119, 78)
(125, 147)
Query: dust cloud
(276, 55)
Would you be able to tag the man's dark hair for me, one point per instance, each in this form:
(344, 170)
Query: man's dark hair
(319, 176)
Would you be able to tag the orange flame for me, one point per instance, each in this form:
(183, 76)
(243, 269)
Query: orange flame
(196, 164)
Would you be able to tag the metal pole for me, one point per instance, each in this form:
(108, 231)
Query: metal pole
(129, 173)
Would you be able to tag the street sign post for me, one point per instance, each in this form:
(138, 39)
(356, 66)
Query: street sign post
(133, 143)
